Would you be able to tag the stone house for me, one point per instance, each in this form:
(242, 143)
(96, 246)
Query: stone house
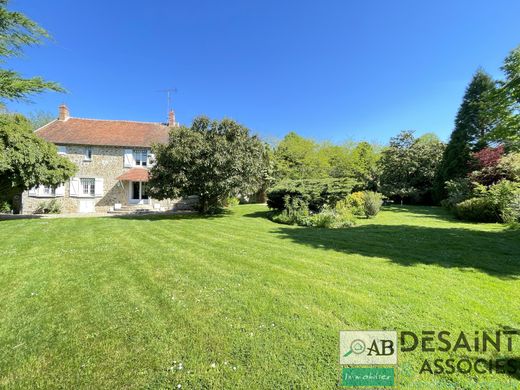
(113, 159)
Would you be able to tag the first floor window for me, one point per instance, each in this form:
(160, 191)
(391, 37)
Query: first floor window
(88, 186)
(141, 157)
(88, 154)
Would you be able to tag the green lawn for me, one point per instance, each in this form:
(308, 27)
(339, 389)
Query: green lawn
(242, 302)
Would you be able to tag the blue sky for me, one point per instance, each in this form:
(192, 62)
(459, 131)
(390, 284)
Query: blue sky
(335, 70)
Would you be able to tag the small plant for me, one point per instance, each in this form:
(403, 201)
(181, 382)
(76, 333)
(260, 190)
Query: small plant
(294, 213)
(5, 207)
(372, 203)
(232, 201)
(53, 206)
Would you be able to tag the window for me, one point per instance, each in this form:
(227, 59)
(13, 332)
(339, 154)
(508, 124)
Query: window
(62, 149)
(88, 186)
(141, 157)
(88, 154)
(48, 191)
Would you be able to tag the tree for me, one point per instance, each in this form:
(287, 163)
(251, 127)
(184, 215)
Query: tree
(505, 103)
(17, 31)
(298, 158)
(472, 126)
(408, 167)
(40, 118)
(27, 160)
(211, 159)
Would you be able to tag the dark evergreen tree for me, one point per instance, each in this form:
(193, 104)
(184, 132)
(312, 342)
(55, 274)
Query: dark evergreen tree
(472, 124)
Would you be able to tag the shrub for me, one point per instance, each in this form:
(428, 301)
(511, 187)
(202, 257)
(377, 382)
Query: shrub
(372, 203)
(458, 190)
(52, 206)
(477, 210)
(231, 202)
(505, 196)
(315, 193)
(294, 213)
(5, 206)
(356, 202)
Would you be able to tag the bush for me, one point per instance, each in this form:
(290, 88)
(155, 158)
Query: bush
(53, 206)
(231, 202)
(356, 202)
(295, 212)
(505, 196)
(477, 210)
(5, 207)
(315, 193)
(458, 190)
(372, 203)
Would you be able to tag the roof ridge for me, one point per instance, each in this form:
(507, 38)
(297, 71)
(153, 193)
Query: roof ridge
(117, 120)
(45, 125)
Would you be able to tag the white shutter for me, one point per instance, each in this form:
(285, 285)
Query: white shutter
(74, 186)
(98, 189)
(151, 159)
(33, 191)
(129, 158)
(60, 190)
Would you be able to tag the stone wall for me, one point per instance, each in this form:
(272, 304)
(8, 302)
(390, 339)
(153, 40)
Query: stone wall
(107, 163)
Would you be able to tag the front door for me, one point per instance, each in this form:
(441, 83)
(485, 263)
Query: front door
(138, 193)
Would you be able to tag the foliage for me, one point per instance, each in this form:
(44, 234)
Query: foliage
(17, 31)
(372, 203)
(52, 206)
(486, 164)
(40, 118)
(316, 193)
(356, 202)
(472, 125)
(5, 206)
(211, 159)
(298, 158)
(505, 196)
(294, 212)
(232, 201)
(479, 209)
(408, 167)
(505, 103)
(510, 166)
(458, 190)
(26, 160)
(499, 202)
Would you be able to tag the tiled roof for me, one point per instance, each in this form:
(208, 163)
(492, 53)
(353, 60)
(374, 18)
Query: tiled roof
(79, 131)
(134, 174)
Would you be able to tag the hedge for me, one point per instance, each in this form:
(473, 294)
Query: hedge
(315, 192)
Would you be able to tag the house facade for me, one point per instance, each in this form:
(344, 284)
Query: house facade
(113, 159)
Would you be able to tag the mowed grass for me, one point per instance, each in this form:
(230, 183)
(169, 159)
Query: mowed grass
(239, 302)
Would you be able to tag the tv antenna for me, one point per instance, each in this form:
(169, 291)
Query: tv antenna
(169, 92)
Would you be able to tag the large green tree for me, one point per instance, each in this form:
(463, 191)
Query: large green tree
(211, 159)
(505, 103)
(27, 160)
(16, 32)
(408, 167)
(472, 126)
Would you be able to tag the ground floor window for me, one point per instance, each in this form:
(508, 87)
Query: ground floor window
(88, 186)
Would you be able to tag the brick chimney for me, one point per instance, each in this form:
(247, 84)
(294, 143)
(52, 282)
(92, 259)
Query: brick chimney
(63, 113)
(171, 119)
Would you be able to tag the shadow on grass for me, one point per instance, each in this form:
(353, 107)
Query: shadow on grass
(495, 253)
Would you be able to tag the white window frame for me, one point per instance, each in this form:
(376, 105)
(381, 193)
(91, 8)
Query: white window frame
(62, 149)
(48, 191)
(87, 155)
(43, 191)
(88, 184)
(140, 157)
